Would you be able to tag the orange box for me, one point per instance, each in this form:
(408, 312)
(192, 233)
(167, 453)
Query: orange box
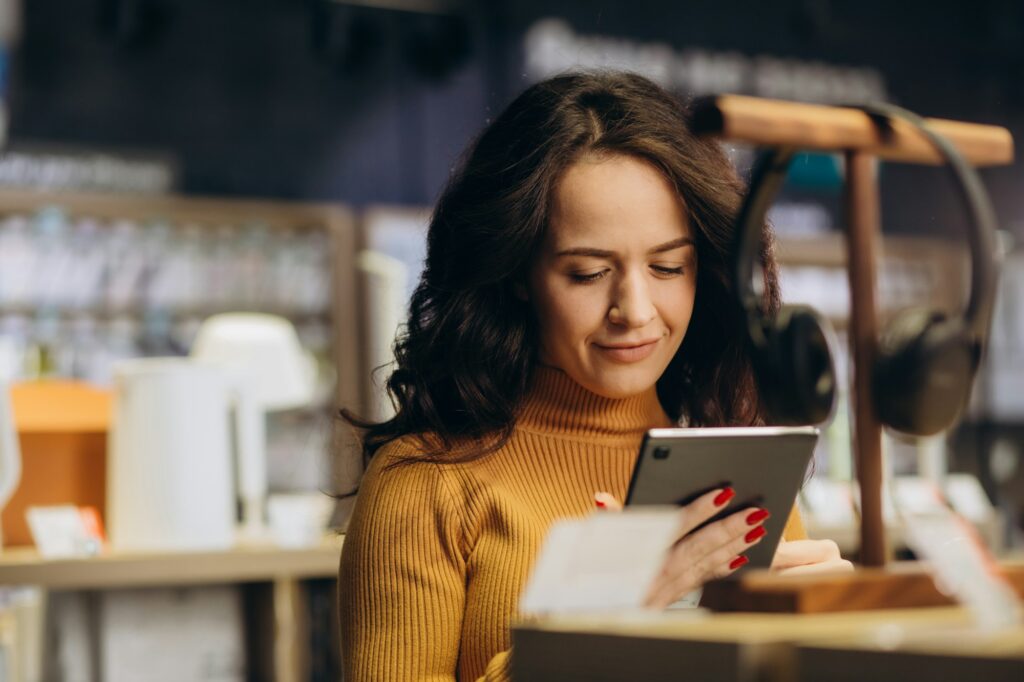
(62, 430)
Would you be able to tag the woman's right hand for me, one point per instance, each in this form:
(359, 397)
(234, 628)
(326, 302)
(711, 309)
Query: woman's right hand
(715, 551)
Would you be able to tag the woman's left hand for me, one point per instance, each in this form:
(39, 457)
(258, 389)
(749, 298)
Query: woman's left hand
(795, 557)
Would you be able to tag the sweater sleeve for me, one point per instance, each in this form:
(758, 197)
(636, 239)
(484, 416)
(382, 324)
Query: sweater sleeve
(794, 529)
(402, 580)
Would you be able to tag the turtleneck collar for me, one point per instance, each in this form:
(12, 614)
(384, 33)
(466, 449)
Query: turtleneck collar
(556, 404)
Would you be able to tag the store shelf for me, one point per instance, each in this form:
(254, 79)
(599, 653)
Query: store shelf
(119, 570)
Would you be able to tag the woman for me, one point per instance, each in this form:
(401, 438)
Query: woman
(576, 293)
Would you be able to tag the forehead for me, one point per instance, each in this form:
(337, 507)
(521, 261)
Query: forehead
(617, 202)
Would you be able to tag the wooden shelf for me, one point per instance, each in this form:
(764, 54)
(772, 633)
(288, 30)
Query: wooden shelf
(117, 570)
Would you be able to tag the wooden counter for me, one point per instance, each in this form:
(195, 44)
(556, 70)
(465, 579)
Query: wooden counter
(744, 647)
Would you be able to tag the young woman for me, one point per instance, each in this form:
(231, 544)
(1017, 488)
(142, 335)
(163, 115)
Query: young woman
(576, 293)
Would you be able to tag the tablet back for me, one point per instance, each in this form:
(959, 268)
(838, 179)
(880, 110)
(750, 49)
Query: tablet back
(765, 465)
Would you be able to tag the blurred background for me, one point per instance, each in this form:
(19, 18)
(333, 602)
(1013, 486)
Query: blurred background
(166, 162)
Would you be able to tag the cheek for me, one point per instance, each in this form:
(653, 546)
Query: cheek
(676, 305)
(568, 313)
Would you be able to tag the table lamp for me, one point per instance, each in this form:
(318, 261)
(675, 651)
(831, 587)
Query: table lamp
(270, 371)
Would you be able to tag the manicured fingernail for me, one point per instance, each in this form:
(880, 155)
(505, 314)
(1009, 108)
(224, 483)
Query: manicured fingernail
(737, 562)
(724, 497)
(757, 517)
(755, 534)
(600, 504)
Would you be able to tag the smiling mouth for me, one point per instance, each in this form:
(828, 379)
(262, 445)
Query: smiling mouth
(628, 353)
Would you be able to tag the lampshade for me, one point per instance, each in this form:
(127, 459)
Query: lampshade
(264, 353)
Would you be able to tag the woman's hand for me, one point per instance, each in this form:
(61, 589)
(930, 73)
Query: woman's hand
(797, 557)
(714, 551)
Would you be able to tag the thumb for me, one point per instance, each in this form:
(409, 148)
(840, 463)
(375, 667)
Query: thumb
(607, 502)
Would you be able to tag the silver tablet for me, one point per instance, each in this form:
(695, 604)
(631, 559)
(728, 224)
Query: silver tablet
(764, 465)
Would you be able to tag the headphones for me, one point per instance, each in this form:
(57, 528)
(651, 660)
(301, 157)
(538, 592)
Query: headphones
(926, 360)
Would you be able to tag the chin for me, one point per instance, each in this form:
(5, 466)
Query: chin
(622, 384)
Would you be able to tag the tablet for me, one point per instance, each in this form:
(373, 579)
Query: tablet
(764, 465)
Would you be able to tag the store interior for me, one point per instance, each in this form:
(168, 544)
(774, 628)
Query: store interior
(250, 183)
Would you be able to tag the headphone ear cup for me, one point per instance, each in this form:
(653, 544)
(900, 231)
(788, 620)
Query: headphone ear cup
(922, 376)
(793, 364)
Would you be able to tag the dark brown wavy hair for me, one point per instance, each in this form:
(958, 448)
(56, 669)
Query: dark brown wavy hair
(464, 359)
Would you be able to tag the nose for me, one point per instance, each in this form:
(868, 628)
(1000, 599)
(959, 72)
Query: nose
(631, 304)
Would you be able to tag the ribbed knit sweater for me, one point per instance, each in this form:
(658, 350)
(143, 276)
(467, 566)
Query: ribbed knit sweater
(436, 554)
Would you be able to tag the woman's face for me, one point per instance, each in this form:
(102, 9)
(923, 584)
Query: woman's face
(614, 285)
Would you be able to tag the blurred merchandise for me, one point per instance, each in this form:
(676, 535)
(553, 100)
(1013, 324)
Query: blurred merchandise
(89, 281)
(912, 271)
(62, 429)
(158, 635)
(830, 508)
(170, 483)
(390, 267)
(299, 519)
(64, 531)
(22, 636)
(128, 287)
(387, 307)
(1001, 397)
(10, 452)
(269, 371)
(402, 234)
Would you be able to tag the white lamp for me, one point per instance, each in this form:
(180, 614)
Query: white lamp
(271, 372)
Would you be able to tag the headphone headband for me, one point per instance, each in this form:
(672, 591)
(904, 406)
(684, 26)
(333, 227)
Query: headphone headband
(770, 172)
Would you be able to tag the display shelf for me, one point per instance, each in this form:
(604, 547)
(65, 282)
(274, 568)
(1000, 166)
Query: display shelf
(114, 570)
(275, 580)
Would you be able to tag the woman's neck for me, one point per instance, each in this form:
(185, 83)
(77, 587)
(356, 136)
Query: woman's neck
(555, 404)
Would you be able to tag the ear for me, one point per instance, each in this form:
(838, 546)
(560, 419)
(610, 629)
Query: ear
(519, 291)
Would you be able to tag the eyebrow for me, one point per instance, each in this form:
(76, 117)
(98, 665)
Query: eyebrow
(600, 253)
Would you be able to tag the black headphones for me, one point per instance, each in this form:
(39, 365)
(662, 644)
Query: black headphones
(926, 361)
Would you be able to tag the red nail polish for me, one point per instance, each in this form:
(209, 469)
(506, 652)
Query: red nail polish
(757, 517)
(737, 562)
(755, 534)
(600, 504)
(724, 497)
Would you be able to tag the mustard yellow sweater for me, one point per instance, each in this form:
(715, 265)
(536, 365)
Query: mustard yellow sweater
(436, 554)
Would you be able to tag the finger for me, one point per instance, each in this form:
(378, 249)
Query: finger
(721, 533)
(804, 552)
(832, 566)
(719, 563)
(687, 570)
(607, 501)
(668, 592)
(703, 508)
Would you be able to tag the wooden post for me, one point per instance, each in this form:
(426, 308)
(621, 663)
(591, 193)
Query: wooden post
(291, 631)
(862, 238)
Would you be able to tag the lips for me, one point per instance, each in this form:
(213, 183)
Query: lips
(628, 352)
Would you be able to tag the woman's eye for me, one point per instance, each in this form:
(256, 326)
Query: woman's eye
(668, 271)
(587, 277)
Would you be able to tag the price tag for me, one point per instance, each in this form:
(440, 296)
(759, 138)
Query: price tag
(603, 562)
(963, 568)
(65, 531)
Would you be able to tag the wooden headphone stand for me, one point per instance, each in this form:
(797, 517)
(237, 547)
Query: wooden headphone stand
(774, 123)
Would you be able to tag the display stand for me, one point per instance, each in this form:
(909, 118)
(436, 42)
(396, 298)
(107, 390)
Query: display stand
(851, 132)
